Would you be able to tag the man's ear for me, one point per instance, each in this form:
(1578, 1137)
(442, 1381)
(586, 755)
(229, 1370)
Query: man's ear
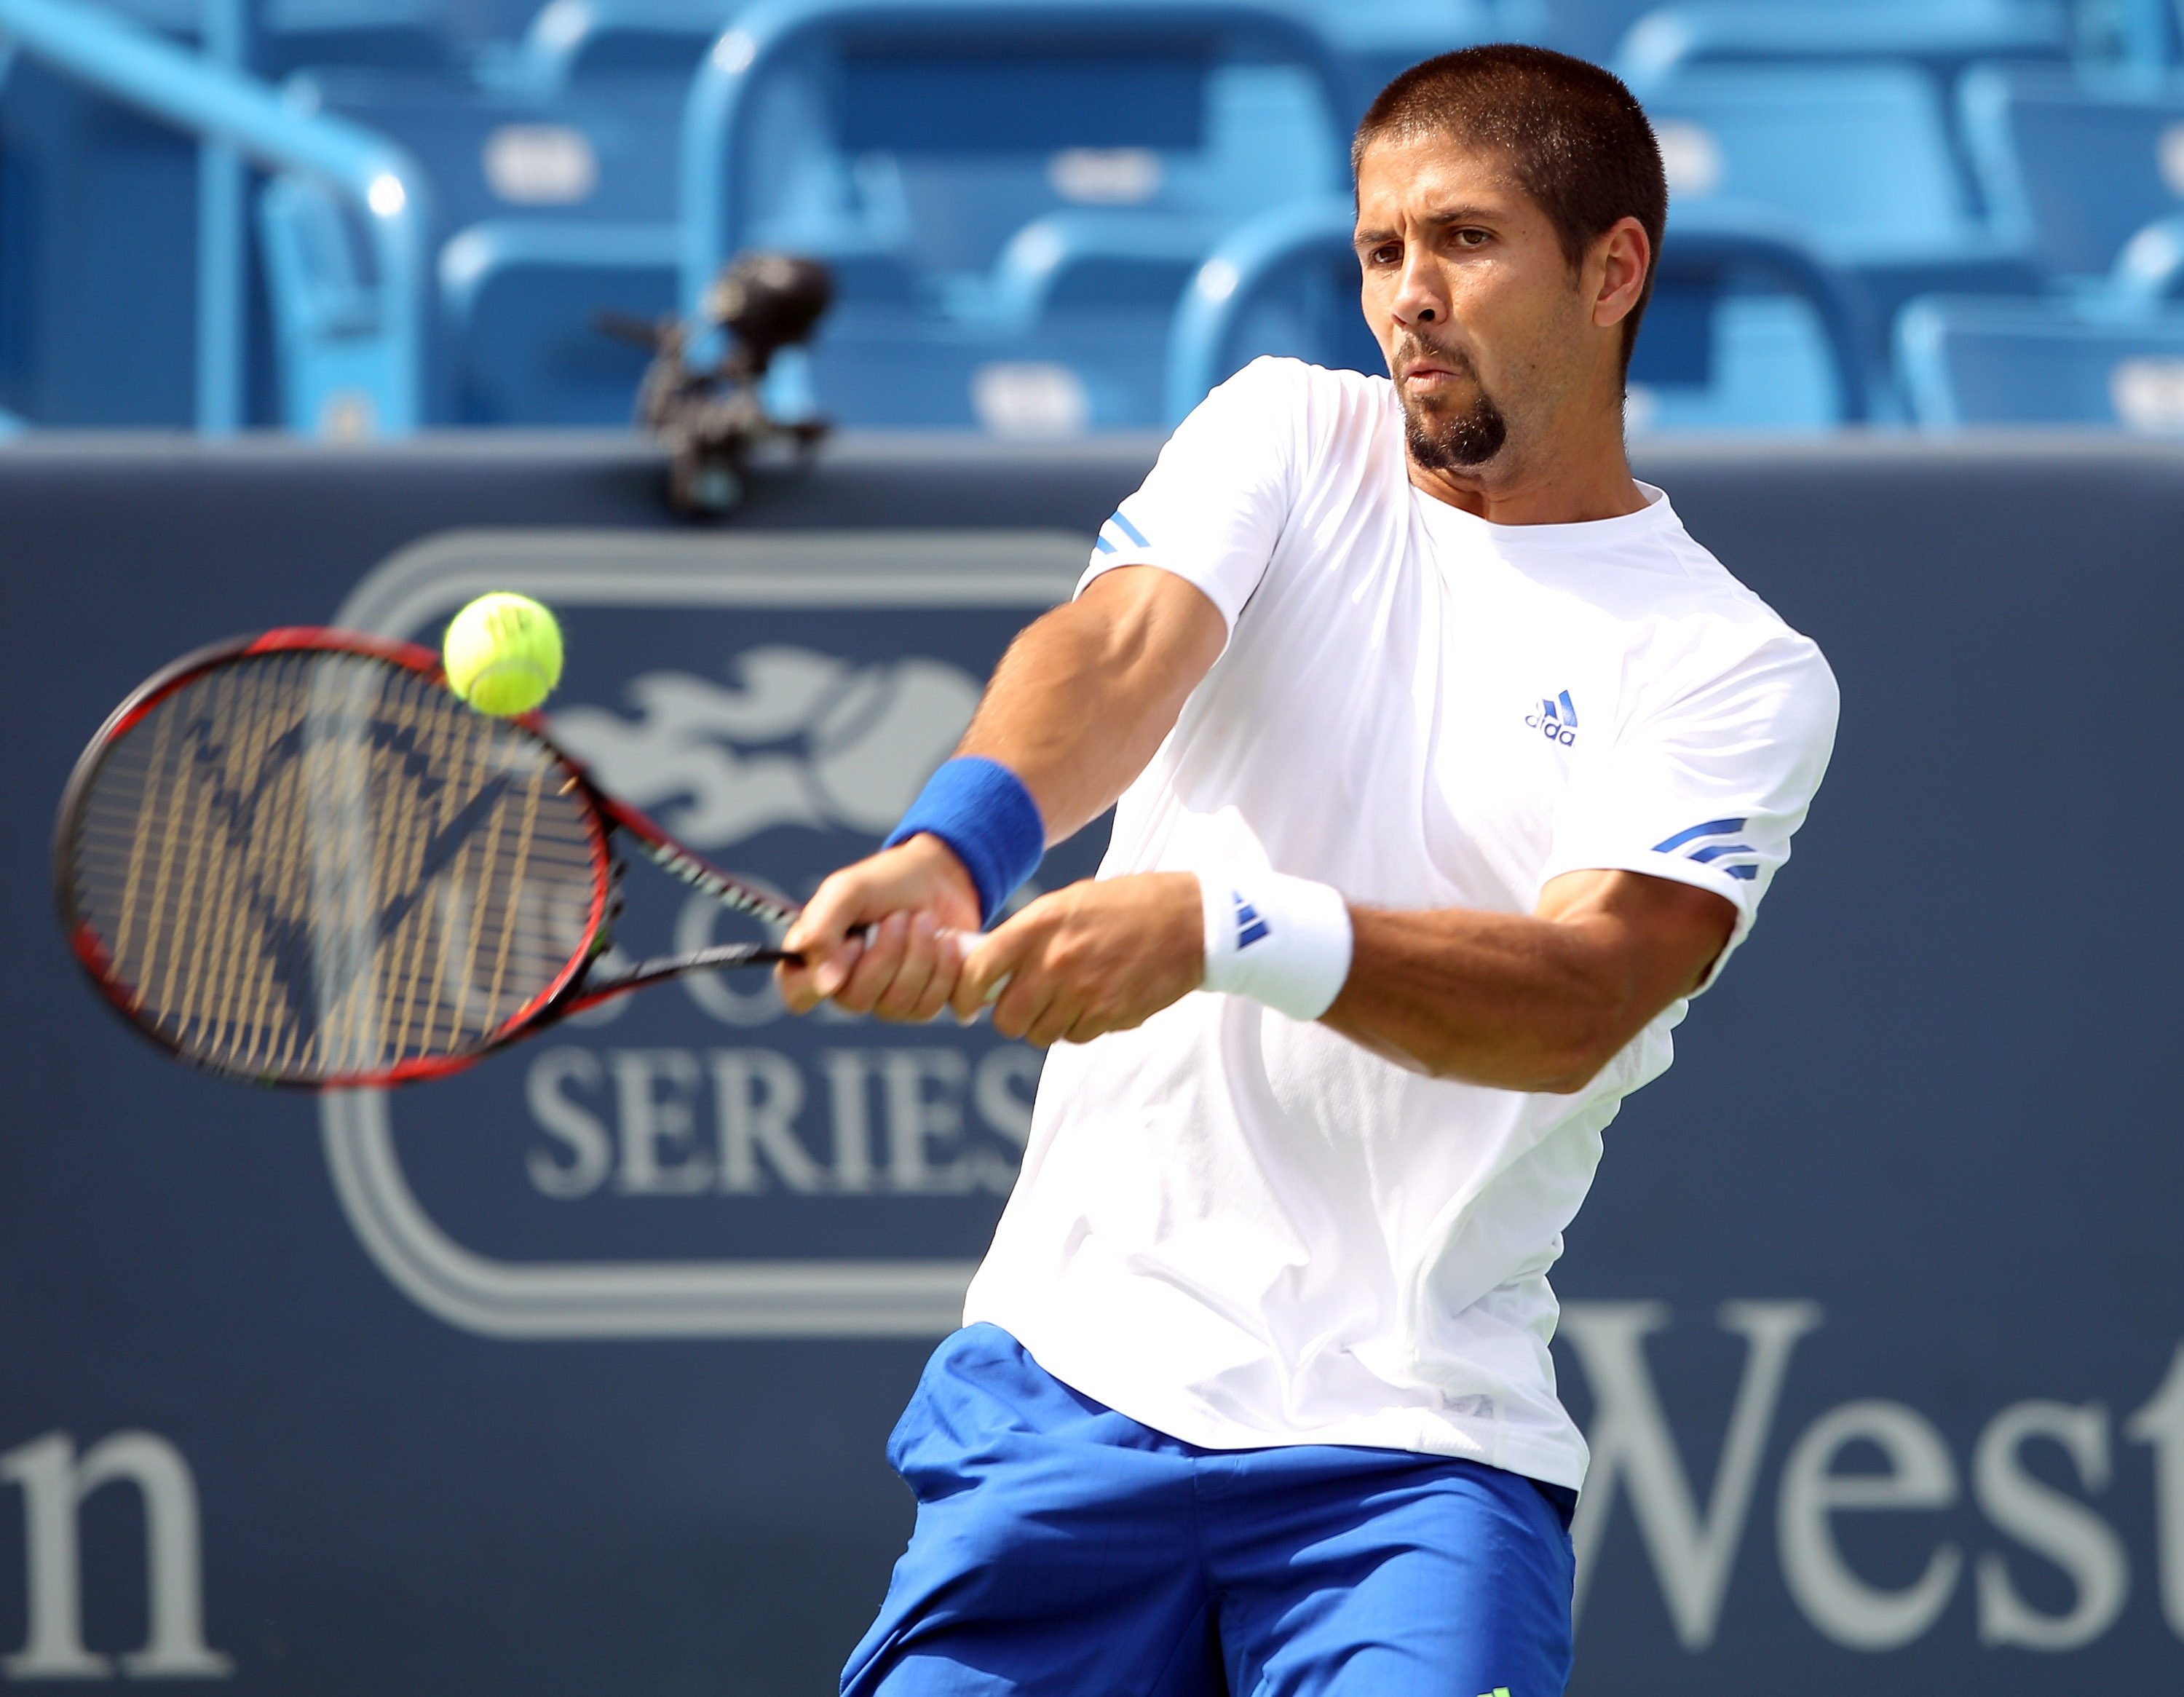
(1622, 260)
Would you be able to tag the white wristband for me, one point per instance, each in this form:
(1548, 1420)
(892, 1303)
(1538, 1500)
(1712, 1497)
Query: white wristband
(1282, 941)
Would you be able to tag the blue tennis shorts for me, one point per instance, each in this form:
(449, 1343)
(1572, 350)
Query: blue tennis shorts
(1064, 1550)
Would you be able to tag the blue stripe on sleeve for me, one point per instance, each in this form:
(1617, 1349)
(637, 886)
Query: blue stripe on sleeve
(1712, 828)
(1129, 530)
(1742, 872)
(1103, 544)
(1704, 855)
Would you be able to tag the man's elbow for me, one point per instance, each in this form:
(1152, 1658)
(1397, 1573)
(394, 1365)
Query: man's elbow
(1582, 1055)
(1561, 1070)
(1539, 1075)
(1569, 1082)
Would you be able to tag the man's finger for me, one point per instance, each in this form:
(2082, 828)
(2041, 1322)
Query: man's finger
(875, 967)
(828, 919)
(809, 982)
(986, 969)
(921, 964)
(1023, 1003)
(835, 965)
(1063, 1008)
(820, 935)
(948, 948)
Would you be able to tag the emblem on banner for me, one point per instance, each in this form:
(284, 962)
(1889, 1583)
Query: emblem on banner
(691, 1161)
(793, 738)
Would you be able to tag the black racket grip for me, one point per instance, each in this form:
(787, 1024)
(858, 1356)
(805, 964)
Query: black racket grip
(724, 957)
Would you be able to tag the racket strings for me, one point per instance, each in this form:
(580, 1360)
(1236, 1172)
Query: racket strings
(318, 865)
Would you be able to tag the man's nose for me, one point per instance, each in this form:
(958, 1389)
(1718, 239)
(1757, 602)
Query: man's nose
(1419, 298)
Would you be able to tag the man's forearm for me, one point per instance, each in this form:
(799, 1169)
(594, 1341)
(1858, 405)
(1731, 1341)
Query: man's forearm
(1075, 711)
(1082, 698)
(1528, 1002)
(1501, 999)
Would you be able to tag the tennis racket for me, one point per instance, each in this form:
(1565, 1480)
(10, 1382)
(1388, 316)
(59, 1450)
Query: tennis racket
(299, 858)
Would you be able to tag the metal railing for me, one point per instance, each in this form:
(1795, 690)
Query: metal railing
(235, 118)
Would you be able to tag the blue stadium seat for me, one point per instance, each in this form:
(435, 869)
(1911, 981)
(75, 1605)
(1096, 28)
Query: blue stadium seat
(520, 300)
(2071, 167)
(1746, 330)
(408, 35)
(1601, 30)
(572, 40)
(1856, 154)
(1591, 29)
(2143, 36)
(1942, 37)
(1283, 284)
(1374, 40)
(1979, 361)
(1013, 193)
(594, 152)
(1855, 159)
(98, 258)
(2149, 274)
(598, 156)
(171, 17)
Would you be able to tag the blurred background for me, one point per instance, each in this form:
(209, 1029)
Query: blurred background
(1043, 219)
(573, 1374)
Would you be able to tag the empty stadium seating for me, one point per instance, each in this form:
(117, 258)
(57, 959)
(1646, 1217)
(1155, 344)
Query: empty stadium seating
(570, 42)
(1013, 193)
(1373, 42)
(1941, 36)
(400, 34)
(2149, 272)
(1986, 362)
(1023, 199)
(522, 300)
(1746, 330)
(2072, 166)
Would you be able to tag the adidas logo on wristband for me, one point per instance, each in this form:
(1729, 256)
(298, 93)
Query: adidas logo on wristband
(1281, 941)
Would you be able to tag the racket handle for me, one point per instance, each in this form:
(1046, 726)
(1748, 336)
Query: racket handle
(721, 958)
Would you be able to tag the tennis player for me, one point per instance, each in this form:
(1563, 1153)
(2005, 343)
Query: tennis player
(1449, 768)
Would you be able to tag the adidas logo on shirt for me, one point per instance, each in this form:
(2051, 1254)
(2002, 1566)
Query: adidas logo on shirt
(1555, 721)
(1249, 928)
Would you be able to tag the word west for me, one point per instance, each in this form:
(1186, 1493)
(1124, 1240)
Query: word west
(1694, 1550)
(54, 1482)
(684, 1122)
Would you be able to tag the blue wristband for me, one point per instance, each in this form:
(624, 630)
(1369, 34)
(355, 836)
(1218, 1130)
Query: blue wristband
(981, 809)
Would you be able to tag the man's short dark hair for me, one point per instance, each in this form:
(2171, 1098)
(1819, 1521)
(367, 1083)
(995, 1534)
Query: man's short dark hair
(1576, 139)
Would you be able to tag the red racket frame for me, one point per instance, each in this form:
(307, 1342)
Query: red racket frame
(565, 994)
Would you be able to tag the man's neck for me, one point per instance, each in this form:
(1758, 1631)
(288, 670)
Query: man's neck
(1577, 483)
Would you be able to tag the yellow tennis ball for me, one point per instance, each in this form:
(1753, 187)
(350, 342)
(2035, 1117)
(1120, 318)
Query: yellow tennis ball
(503, 653)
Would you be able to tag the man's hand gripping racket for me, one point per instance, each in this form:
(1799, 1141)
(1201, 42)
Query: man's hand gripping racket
(299, 859)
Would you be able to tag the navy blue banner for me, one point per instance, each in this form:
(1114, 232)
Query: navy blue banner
(571, 1375)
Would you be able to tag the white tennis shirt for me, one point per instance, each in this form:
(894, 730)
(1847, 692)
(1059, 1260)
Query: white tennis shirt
(1242, 1230)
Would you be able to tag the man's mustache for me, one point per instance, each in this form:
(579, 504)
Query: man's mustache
(1410, 348)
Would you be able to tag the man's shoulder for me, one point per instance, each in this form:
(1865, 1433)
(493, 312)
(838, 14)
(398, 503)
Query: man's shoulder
(1696, 617)
(1279, 379)
(1680, 576)
(1282, 421)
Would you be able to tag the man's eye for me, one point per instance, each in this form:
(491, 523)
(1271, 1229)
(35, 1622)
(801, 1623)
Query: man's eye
(1472, 238)
(1386, 254)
